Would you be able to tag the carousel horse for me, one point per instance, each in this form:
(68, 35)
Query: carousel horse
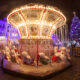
(59, 54)
(55, 49)
(15, 56)
(27, 59)
(43, 58)
(68, 53)
(7, 53)
(55, 57)
(62, 54)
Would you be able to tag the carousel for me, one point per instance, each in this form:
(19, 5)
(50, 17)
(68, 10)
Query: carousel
(33, 54)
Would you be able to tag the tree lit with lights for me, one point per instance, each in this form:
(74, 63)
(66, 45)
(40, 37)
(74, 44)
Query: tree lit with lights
(75, 28)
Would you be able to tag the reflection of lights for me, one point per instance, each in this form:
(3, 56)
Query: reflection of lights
(39, 23)
(41, 19)
(2, 38)
(54, 27)
(36, 6)
(14, 35)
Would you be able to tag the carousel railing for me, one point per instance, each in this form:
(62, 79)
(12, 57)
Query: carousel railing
(75, 51)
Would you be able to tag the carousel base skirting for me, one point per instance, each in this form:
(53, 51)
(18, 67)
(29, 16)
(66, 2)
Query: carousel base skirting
(40, 71)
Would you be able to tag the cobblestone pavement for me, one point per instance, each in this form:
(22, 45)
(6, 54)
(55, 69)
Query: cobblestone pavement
(73, 73)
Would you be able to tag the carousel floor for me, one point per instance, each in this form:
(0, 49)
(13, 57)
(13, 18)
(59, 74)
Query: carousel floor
(40, 71)
(72, 73)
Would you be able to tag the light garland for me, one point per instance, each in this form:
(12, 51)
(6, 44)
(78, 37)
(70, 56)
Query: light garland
(41, 22)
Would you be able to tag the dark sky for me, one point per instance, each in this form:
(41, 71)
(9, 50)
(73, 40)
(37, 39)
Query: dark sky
(66, 6)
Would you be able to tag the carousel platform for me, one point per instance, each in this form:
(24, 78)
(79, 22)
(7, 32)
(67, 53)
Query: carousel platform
(40, 71)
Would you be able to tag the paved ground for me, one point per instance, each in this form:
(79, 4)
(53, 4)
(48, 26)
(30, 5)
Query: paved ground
(73, 73)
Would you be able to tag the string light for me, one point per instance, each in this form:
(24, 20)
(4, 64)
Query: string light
(44, 16)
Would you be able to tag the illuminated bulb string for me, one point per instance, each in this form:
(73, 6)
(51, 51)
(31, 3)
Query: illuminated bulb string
(41, 22)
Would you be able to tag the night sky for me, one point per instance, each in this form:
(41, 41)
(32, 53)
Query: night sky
(66, 6)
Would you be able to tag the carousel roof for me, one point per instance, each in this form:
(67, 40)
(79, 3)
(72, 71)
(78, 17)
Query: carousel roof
(36, 21)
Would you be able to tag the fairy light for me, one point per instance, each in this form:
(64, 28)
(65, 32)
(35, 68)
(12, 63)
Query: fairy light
(41, 22)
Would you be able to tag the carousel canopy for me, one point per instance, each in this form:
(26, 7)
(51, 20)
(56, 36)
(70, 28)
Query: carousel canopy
(36, 21)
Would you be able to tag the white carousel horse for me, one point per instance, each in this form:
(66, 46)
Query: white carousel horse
(27, 58)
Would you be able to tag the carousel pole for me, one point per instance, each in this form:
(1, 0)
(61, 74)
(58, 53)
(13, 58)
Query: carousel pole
(37, 53)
